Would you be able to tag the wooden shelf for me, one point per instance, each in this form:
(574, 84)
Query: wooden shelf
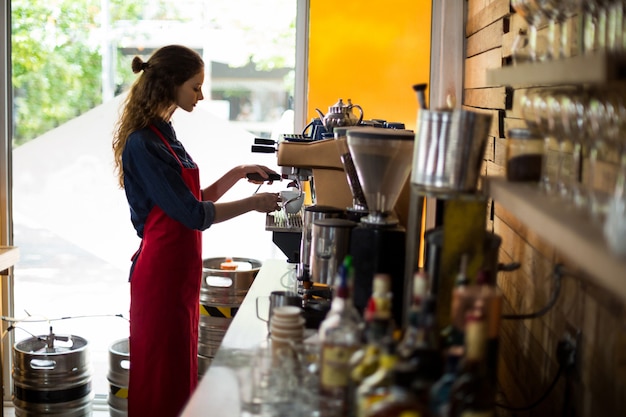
(9, 255)
(574, 235)
(599, 68)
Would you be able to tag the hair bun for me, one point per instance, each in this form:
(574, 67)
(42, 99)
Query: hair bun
(138, 65)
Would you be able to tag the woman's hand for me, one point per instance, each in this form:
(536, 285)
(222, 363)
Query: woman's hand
(261, 170)
(225, 183)
(266, 202)
(261, 202)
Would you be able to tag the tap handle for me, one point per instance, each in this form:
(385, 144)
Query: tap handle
(261, 141)
(257, 177)
(263, 149)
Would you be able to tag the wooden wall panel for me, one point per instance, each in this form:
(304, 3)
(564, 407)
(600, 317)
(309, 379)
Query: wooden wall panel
(476, 66)
(528, 360)
(489, 98)
(485, 39)
(481, 13)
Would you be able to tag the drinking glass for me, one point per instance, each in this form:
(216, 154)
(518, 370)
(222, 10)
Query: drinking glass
(615, 220)
(615, 26)
(558, 12)
(602, 116)
(534, 111)
(595, 14)
(559, 130)
(575, 125)
(533, 15)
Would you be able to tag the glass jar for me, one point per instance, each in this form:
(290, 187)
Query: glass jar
(524, 154)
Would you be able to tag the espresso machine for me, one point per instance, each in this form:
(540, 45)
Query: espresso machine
(382, 159)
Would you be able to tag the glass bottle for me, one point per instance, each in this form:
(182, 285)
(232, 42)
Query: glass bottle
(342, 301)
(342, 336)
(453, 335)
(440, 390)
(379, 304)
(412, 334)
(401, 401)
(423, 358)
(482, 298)
(524, 155)
(473, 391)
(378, 331)
(377, 386)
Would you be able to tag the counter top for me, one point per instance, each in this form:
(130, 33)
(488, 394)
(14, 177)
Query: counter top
(217, 392)
(9, 255)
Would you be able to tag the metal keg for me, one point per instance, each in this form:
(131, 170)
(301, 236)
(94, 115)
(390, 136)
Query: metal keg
(52, 376)
(221, 294)
(204, 362)
(119, 364)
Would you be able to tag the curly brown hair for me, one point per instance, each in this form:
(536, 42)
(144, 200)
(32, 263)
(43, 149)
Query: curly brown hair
(153, 94)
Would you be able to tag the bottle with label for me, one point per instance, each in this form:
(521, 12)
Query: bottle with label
(377, 386)
(341, 334)
(485, 299)
(452, 335)
(473, 392)
(440, 390)
(402, 400)
(423, 357)
(342, 302)
(379, 304)
(378, 332)
(413, 334)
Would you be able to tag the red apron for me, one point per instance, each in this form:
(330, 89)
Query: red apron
(164, 312)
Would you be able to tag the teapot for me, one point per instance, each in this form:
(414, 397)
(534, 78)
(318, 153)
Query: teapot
(340, 114)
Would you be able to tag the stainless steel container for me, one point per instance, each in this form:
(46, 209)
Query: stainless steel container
(52, 376)
(449, 149)
(221, 294)
(330, 243)
(312, 214)
(119, 365)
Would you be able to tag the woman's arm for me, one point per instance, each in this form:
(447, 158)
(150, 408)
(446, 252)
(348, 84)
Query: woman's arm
(261, 202)
(216, 190)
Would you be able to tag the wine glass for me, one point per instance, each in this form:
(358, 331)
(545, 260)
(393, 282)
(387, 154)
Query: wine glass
(615, 26)
(615, 105)
(560, 130)
(615, 220)
(601, 116)
(595, 25)
(558, 12)
(533, 15)
(575, 126)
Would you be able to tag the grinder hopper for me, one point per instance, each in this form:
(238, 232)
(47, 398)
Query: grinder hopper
(382, 158)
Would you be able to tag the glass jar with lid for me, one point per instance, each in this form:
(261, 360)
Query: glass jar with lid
(524, 155)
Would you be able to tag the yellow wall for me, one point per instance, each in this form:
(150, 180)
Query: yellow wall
(371, 52)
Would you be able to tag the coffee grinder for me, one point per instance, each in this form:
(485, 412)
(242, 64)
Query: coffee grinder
(382, 158)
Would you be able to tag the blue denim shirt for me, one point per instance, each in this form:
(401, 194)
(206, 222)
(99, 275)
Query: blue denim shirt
(152, 176)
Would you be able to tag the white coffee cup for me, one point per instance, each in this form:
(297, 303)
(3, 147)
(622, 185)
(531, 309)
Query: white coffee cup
(292, 200)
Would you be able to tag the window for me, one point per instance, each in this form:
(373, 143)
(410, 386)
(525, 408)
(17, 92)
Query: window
(70, 68)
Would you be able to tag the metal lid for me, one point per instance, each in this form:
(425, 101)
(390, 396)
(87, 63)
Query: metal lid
(342, 130)
(334, 223)
(376, 133)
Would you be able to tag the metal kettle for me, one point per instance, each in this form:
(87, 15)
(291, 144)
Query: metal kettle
(340, 114)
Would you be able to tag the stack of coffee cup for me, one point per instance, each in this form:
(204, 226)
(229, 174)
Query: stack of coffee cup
(286, 328)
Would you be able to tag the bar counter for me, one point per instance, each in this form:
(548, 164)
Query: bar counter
(217, 394)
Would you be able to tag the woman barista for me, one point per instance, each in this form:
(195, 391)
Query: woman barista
(169, 210)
